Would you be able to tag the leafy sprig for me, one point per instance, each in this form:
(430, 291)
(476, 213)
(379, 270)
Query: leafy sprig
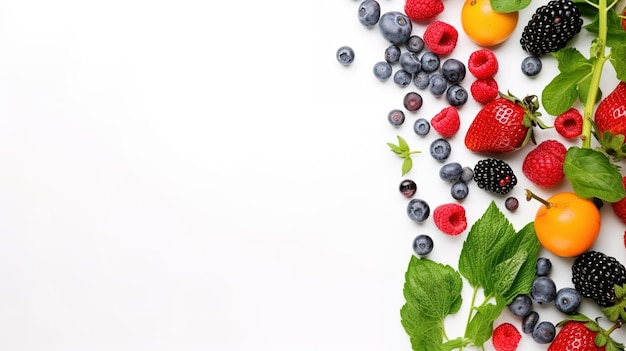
(403, 151)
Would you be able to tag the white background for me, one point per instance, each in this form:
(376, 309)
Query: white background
(186, 176)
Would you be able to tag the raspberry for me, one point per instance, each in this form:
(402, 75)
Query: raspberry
(544, 164)
(506, 337)
(619, 207)
(447, 122)
(421, 10)
(450, 218)
(484, 90)
(440, 37)
(569, 123)
(483, 64)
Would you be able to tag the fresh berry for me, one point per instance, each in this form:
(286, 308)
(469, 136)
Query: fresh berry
(382, 70)
(421, 126)
(410, 62)
(392, 54)
(610, 116)
(437, 84)
(483, 64)
(422, 10)
(467, 175)
(459, 190)
(345, 55)
(505, 337)
(450, 218)
(395, 26)
(619, 207)
(421, 80)
(494, 175)
(521, 305)
(543, 266)
(415, 44)
(423, 245)
(451, 172)
(369, 13)
(580, 335)
(567, 300)
(412, 101)
(544, 332)
(511, 203)
(543, 289)
(484, 90)
(396, 117)
(569, 124)
(543, 165)
(402, 78)
(440, 37)
(595, 275)
(551, 27)
(430, 62)
(503, 125)
(408, 188)
(440, 149)
(456, 95)
(453, 70)
(418, 210)
(531, 66)
(530, 322)
(447, 122)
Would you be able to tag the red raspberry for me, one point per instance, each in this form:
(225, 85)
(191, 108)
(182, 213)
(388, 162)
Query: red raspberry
(421, 10)
(484, 90)
(569, 123)
(450, 218)
(619, 207)
(544, 164)
(505, 337)
(447, 122)
(483, 64)
(440, 37)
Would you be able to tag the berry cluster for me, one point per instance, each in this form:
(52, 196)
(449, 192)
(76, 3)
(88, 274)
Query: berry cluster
(483, 65)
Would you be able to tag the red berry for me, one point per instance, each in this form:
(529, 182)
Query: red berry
(421, 10)
(619, 207)
(543, 165)
(569, 124)
(484, 90)
(450, 218)
(483, 64)
(447, 122)
(506, 337)
(440, 37)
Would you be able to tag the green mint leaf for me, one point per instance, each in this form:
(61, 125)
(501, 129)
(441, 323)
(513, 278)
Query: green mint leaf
(569, 59)
(525, 240)
(592, 174)
(505, 272)
(403, 144)
(407, 164)
(395, 148)
(561, 93)
(509, 5)
(618, 60)
(480, 327)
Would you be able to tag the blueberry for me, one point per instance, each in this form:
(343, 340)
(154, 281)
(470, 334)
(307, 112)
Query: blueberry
(511, 203)
(543, 289)
(456, 95)
(437, 84)
(412, 101)
(530, 322)
(392, 54)
(440, 149)
(544, 332)
(369, 13)
(543, 266)
(521, 305)
(459, 190)
(408, 188)
(396, 117)
(418, 210)
(421, 126)
(531, 66)
(402, 78)
(395, 26)
(453, 70)
(415, 44)
(382, 70)
(421, 79)
(451, 171)
(345, 55)
(430, 62)
(467, 175)
(422, 245)
(410, 62)
(567, 300)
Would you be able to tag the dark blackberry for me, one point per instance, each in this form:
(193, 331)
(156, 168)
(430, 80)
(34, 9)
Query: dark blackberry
(551, 27)
(494, 175)
(595, 275)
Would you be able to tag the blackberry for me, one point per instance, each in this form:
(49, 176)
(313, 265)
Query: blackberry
(494, 175)
(551, 27)
(595, 275)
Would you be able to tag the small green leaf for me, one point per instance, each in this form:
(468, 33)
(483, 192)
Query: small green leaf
(509, 5)
(407, 164)
(592, 174)
(561, 93)
(569, 59)
(480, 328)
(600, 340)
(395, 148)
(403, 144)
(618, 53)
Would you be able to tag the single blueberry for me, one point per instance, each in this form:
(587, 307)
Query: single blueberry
(345, 55)
(418, 210)
(459, 190)
(543, 289)
(412, 101)
(422, 245)
(437, 84)
(440, 149)
(453, 70)
(410, 62)
(543, 266)
(408, 188)
(530, 322)
(402, 78)
(421, 126)
(421, 79)
(396, 117)
(521, 305)
(395, 26)
(531, 66)
(451, 171)
(567, 300)
(415, 44)
(392, 54)
(369, 13)
(430, 62)
(467, 175)
(382, 70)
(544, 332)
(456, 95)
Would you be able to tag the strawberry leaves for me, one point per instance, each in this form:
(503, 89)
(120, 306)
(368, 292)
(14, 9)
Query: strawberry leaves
(592, 174)
(404, 151)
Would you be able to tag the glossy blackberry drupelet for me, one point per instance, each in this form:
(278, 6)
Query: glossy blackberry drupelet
(595, 275)
(551, 27)
(494, 175)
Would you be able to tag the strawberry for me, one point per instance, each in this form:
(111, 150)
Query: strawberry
(619, 207)
(422, 10)
(503, 125)
(610, 122)
(581, 334)
(543, 165)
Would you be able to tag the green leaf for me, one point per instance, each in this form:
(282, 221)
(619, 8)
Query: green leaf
(480, 328)
(569, 60)
(403, 144)
(509, 5)
(583, 90)
(618, 55)
(616, 35)
(407, 164)
(592, 174)
(561, 93)
(505, 272)
(526, 240)
(395, 148)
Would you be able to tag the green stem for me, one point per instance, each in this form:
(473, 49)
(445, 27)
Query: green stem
(469, 315)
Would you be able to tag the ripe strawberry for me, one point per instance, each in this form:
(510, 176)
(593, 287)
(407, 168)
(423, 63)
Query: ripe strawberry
(619, 207)
(543, 165)
(580, 334)
(422, 10)
(447, 122)
(503, 125)
(611, 112)
(484, 90)
(440, 37)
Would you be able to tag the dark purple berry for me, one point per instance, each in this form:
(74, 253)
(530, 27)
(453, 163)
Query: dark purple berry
(396, 117)
(412, 101)
(511, 203)
(408, 188)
